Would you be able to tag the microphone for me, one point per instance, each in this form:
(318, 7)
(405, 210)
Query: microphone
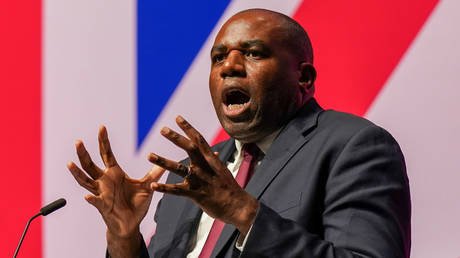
(43, 211)
(53, 206)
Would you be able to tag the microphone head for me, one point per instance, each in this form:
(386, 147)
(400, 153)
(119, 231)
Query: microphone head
(53, 206)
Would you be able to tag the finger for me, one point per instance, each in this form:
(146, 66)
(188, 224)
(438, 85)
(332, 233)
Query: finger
(175, 167)
(182, 142)
(82, 178)
(175, 189)
(193, 134)
(181, 169)
(154, 174)
(201, 142)
(85, 160)
(95, 201)
(105, 149)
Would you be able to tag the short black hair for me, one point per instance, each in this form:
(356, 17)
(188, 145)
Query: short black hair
(299, 42)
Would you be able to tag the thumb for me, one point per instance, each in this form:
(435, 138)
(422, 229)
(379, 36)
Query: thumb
(95, 201)
(154, 174)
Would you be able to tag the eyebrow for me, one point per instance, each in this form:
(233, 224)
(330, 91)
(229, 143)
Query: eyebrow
(219, 48)
(245, 44)
(252, 43)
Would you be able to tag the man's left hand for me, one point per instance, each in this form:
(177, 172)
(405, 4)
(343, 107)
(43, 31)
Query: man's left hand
(207, 181)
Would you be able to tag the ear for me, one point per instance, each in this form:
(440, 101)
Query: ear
(307, 75)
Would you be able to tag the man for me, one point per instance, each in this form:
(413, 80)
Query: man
(328, 184)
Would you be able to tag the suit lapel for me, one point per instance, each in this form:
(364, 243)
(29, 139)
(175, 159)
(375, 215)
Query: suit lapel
(191, 213)
(296, 133)
(288, 142)
(185, 229)
(227, 149)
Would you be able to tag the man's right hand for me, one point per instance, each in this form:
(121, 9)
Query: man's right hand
(122, 201)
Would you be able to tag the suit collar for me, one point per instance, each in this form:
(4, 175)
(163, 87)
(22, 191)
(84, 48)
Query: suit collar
(291, 138)
(296, 133)
(191, 212)
(226, 149)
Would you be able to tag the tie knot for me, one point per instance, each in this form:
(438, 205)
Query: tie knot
(250, 150)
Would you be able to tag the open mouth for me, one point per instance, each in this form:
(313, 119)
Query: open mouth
(235, 101)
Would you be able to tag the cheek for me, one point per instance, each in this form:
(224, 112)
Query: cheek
(261, 78)
(279, 94)
(212, 81)
(213, 87)
(214, 97)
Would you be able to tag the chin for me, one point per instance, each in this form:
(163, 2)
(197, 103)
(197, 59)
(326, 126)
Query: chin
(245, 132)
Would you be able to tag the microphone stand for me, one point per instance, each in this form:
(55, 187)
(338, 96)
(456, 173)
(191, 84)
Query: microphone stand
(24, 233)
(43, 211)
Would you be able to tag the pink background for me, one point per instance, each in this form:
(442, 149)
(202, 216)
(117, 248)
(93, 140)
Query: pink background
(67, 67)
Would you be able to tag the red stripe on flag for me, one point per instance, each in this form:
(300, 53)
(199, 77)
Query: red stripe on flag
(20, 132)
(357, 44)
(221, 136)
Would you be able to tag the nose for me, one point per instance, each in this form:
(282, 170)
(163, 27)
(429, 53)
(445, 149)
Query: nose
(233, 65)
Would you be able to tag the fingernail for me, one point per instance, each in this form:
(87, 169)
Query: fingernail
(165, 130)
(79, 147)
(180, 119)
(153, 157)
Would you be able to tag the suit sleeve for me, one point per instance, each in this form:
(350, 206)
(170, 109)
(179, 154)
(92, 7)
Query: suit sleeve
(366, 207)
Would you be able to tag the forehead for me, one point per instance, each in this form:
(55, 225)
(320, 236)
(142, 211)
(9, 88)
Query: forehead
(245, 27)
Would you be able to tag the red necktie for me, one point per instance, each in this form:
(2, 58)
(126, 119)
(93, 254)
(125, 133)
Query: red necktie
(246, 170)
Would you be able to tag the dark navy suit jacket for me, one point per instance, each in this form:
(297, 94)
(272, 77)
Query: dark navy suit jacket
(331, 185)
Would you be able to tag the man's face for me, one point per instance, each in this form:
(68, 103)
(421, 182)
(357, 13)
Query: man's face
(254, 78)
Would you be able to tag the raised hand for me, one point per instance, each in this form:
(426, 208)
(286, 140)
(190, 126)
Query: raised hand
(122, 201)
(207, 182)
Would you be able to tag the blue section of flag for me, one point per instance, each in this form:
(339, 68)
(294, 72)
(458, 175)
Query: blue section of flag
(169, 36)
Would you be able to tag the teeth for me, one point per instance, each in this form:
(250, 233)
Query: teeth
(235, 106)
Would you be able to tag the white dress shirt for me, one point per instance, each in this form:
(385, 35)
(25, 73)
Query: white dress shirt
(206, 221)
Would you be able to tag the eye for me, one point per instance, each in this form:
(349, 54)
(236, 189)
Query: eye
(218, 58)
(254, 54)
